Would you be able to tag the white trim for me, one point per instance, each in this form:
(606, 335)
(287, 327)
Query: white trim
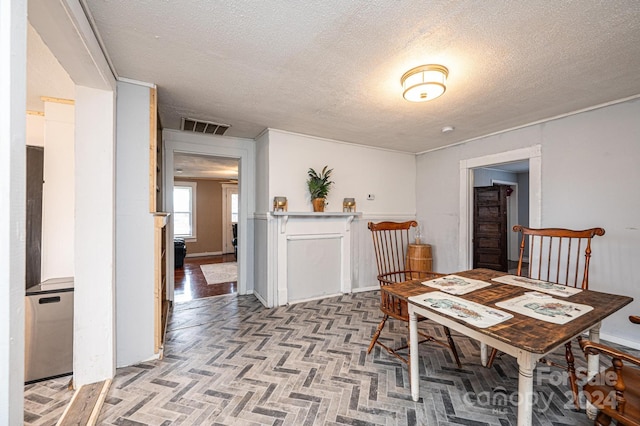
(13, 85)
(363, 289)
(227, 190)
(311, 299)
(620, 341)
(260, 298)
(285, 132)
(465, 231)
(137, 82)
(206, 253)
(534, 123)
(388, 216)
(217, 146)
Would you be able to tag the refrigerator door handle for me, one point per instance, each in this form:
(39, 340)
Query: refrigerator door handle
(54, 299)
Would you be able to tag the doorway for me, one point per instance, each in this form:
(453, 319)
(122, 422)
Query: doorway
(532, 155)
(204, 220)
(242, 152)
(490, 227)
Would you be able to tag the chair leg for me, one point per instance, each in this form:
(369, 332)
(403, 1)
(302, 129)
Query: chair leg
(452, 345)
(602, 419)
(374, 339)
(492, 357)
(573, 379)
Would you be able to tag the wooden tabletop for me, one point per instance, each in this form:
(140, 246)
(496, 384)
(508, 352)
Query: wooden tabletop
(521, 331)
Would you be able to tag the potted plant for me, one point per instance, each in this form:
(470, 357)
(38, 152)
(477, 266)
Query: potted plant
(319, 186)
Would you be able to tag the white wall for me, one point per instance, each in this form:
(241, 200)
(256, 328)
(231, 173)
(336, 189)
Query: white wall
(438, 191)
(261, 219)
(13, 45)
(357, 171)
(58, 197)
(134, 228)
(94, 291)
(589, 178)
(35, 130)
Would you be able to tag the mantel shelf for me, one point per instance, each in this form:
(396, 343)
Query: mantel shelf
(349, 216)
(316, 214)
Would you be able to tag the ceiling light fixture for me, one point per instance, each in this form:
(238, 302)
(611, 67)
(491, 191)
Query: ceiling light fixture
(424, 83)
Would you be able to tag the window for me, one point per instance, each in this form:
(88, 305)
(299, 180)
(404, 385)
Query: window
(234, 208)
(184, 210)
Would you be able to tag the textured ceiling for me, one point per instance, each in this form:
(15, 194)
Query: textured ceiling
(204, 167)
(332, 68)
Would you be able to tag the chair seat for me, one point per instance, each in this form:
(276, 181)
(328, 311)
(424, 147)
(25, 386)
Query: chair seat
(599, 391)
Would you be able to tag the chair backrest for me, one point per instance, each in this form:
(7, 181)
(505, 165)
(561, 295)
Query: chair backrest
(390, 242)
(557, 255)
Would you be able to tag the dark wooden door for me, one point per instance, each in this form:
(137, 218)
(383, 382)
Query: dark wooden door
(490, 228)
(35, 162)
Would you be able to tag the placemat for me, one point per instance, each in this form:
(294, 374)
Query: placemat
(473, 313)
(537, 285)
(454, 284)
(544, 307)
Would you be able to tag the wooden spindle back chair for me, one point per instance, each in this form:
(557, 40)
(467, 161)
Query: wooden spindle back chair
(560, 256)
(390, 243)
(615, 392)
(557, 255)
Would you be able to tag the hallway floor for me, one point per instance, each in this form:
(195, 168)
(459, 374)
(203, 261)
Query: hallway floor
(190, 283)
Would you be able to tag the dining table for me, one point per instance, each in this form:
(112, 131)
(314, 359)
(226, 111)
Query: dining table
(527, 338)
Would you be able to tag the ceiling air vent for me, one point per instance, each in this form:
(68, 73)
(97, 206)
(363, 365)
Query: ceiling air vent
(207, 127)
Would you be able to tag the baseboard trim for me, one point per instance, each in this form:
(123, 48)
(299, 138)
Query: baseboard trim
(619, 340)
(363, 289)
(311, 299)
(260, 299)
(207, 253)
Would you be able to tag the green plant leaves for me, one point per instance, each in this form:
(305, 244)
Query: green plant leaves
(319, 183)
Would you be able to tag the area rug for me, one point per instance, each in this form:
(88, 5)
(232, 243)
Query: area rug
(217, 273)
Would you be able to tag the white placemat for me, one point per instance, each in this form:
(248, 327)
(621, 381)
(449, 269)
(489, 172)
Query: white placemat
(453, 284)
(537, 285)
(544, 307)
(473, 313)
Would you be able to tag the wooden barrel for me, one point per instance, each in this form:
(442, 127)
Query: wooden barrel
(419, 259)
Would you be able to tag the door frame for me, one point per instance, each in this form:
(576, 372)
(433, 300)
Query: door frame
(216, 146)
(512, 218)
(534, 155)
(227, 190)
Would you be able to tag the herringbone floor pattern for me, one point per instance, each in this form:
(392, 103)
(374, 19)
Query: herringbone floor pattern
(230, 361)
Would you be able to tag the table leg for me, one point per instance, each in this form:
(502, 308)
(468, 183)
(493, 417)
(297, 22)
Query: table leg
(526, 365)
(484, 354)
(414, 375)
(593, 365)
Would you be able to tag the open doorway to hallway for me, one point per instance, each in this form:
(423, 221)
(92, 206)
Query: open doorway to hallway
(206, 210)
(530, 155)
(500, 201)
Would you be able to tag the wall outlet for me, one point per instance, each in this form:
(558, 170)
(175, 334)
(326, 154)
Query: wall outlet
(371, 197)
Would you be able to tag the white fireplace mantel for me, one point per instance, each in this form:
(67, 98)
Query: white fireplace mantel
(349, 216)
(313, 255)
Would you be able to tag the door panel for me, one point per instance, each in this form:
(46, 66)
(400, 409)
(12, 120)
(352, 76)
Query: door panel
(35, 166)
(490, 228)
